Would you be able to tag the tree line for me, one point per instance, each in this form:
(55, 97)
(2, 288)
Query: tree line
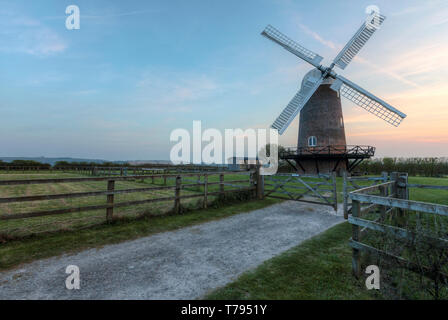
(59, 164)
(427, 167)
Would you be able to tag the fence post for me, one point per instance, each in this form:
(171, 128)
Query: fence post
(402, 190)
(402, 186)
(384, 176)
(110, 200)
(335, 192)
(345, 194)
(394, 178)
(205, 190)
(259, 179)
(356, 257)
(177, 195)
(221, 184)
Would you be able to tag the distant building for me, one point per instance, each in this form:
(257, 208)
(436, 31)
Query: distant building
(241, 163)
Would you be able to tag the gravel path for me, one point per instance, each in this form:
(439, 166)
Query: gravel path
(182, 264)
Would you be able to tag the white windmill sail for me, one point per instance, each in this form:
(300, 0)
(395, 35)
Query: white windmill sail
(273, 34)
(358, 41)
(296, 104)
(368, 101)
(347, 88)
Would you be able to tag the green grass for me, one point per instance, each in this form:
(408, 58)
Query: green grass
(74, 221)
(13, 253)
(319, 268)
(429, 195)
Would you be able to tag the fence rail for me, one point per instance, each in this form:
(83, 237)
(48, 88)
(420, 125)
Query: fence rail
(316, 189)
(353, 183)
(111, 171)
(200, 188)
(390, 201)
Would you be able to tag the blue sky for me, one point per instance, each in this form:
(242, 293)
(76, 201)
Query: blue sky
(136, 70)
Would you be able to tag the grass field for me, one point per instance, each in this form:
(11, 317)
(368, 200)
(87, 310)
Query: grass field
(13, 253)
(75, 221)
(319, 268)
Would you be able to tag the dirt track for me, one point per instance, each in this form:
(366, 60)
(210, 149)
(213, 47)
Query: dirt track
(182, 264)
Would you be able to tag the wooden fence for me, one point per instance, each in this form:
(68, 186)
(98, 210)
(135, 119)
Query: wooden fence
(198, 184)
(389, 201)
(112, 171)
(317, 189)
(354, 183)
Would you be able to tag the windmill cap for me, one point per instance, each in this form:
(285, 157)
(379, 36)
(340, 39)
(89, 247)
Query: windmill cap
(314, 75)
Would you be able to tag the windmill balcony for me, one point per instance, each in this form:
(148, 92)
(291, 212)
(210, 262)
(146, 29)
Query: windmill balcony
(352, 152)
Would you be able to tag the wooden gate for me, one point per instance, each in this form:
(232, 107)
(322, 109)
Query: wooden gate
(318, 189)
(350, 184)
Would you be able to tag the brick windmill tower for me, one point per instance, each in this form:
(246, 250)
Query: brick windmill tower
(322, 146)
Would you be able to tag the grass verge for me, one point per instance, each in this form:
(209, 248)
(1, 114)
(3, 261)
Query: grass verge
(319, 268)
(16, 252)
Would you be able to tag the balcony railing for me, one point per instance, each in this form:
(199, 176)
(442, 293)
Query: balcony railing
(363, 151)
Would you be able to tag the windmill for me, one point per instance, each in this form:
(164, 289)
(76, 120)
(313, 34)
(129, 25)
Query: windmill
(321, 141)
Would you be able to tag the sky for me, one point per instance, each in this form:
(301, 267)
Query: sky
(136, 70)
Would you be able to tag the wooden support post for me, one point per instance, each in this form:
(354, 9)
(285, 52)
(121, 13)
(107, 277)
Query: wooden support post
(402, 190)
(356, 256)
(121, 171)
(259, 179)
(205, 190)
(335, 192)
(164, 180)
(345, 193)
(152, 179)
(110, 201)
(394, 178)
(177, 195)
(402, 186)
(221, 184)
(384, 176)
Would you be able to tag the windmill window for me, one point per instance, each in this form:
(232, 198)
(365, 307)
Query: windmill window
(312, 141)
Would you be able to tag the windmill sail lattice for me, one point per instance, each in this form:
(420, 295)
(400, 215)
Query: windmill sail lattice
(356, 43)
(297, 103)
(368, 101)
(348, 89)
(309, 56)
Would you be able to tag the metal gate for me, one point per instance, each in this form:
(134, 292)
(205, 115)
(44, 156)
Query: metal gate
(318, 189)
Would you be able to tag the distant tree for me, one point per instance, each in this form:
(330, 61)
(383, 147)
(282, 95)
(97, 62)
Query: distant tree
(429, 167)
(30, 163)
(61, 164)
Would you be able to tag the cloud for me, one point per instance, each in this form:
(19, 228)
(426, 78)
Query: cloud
(428, 5)
(426, 60)
(120, 14)
(316, 36)
(337, 47)
(388, 71)
(104, 16)
(176, 92)
(21, 34)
